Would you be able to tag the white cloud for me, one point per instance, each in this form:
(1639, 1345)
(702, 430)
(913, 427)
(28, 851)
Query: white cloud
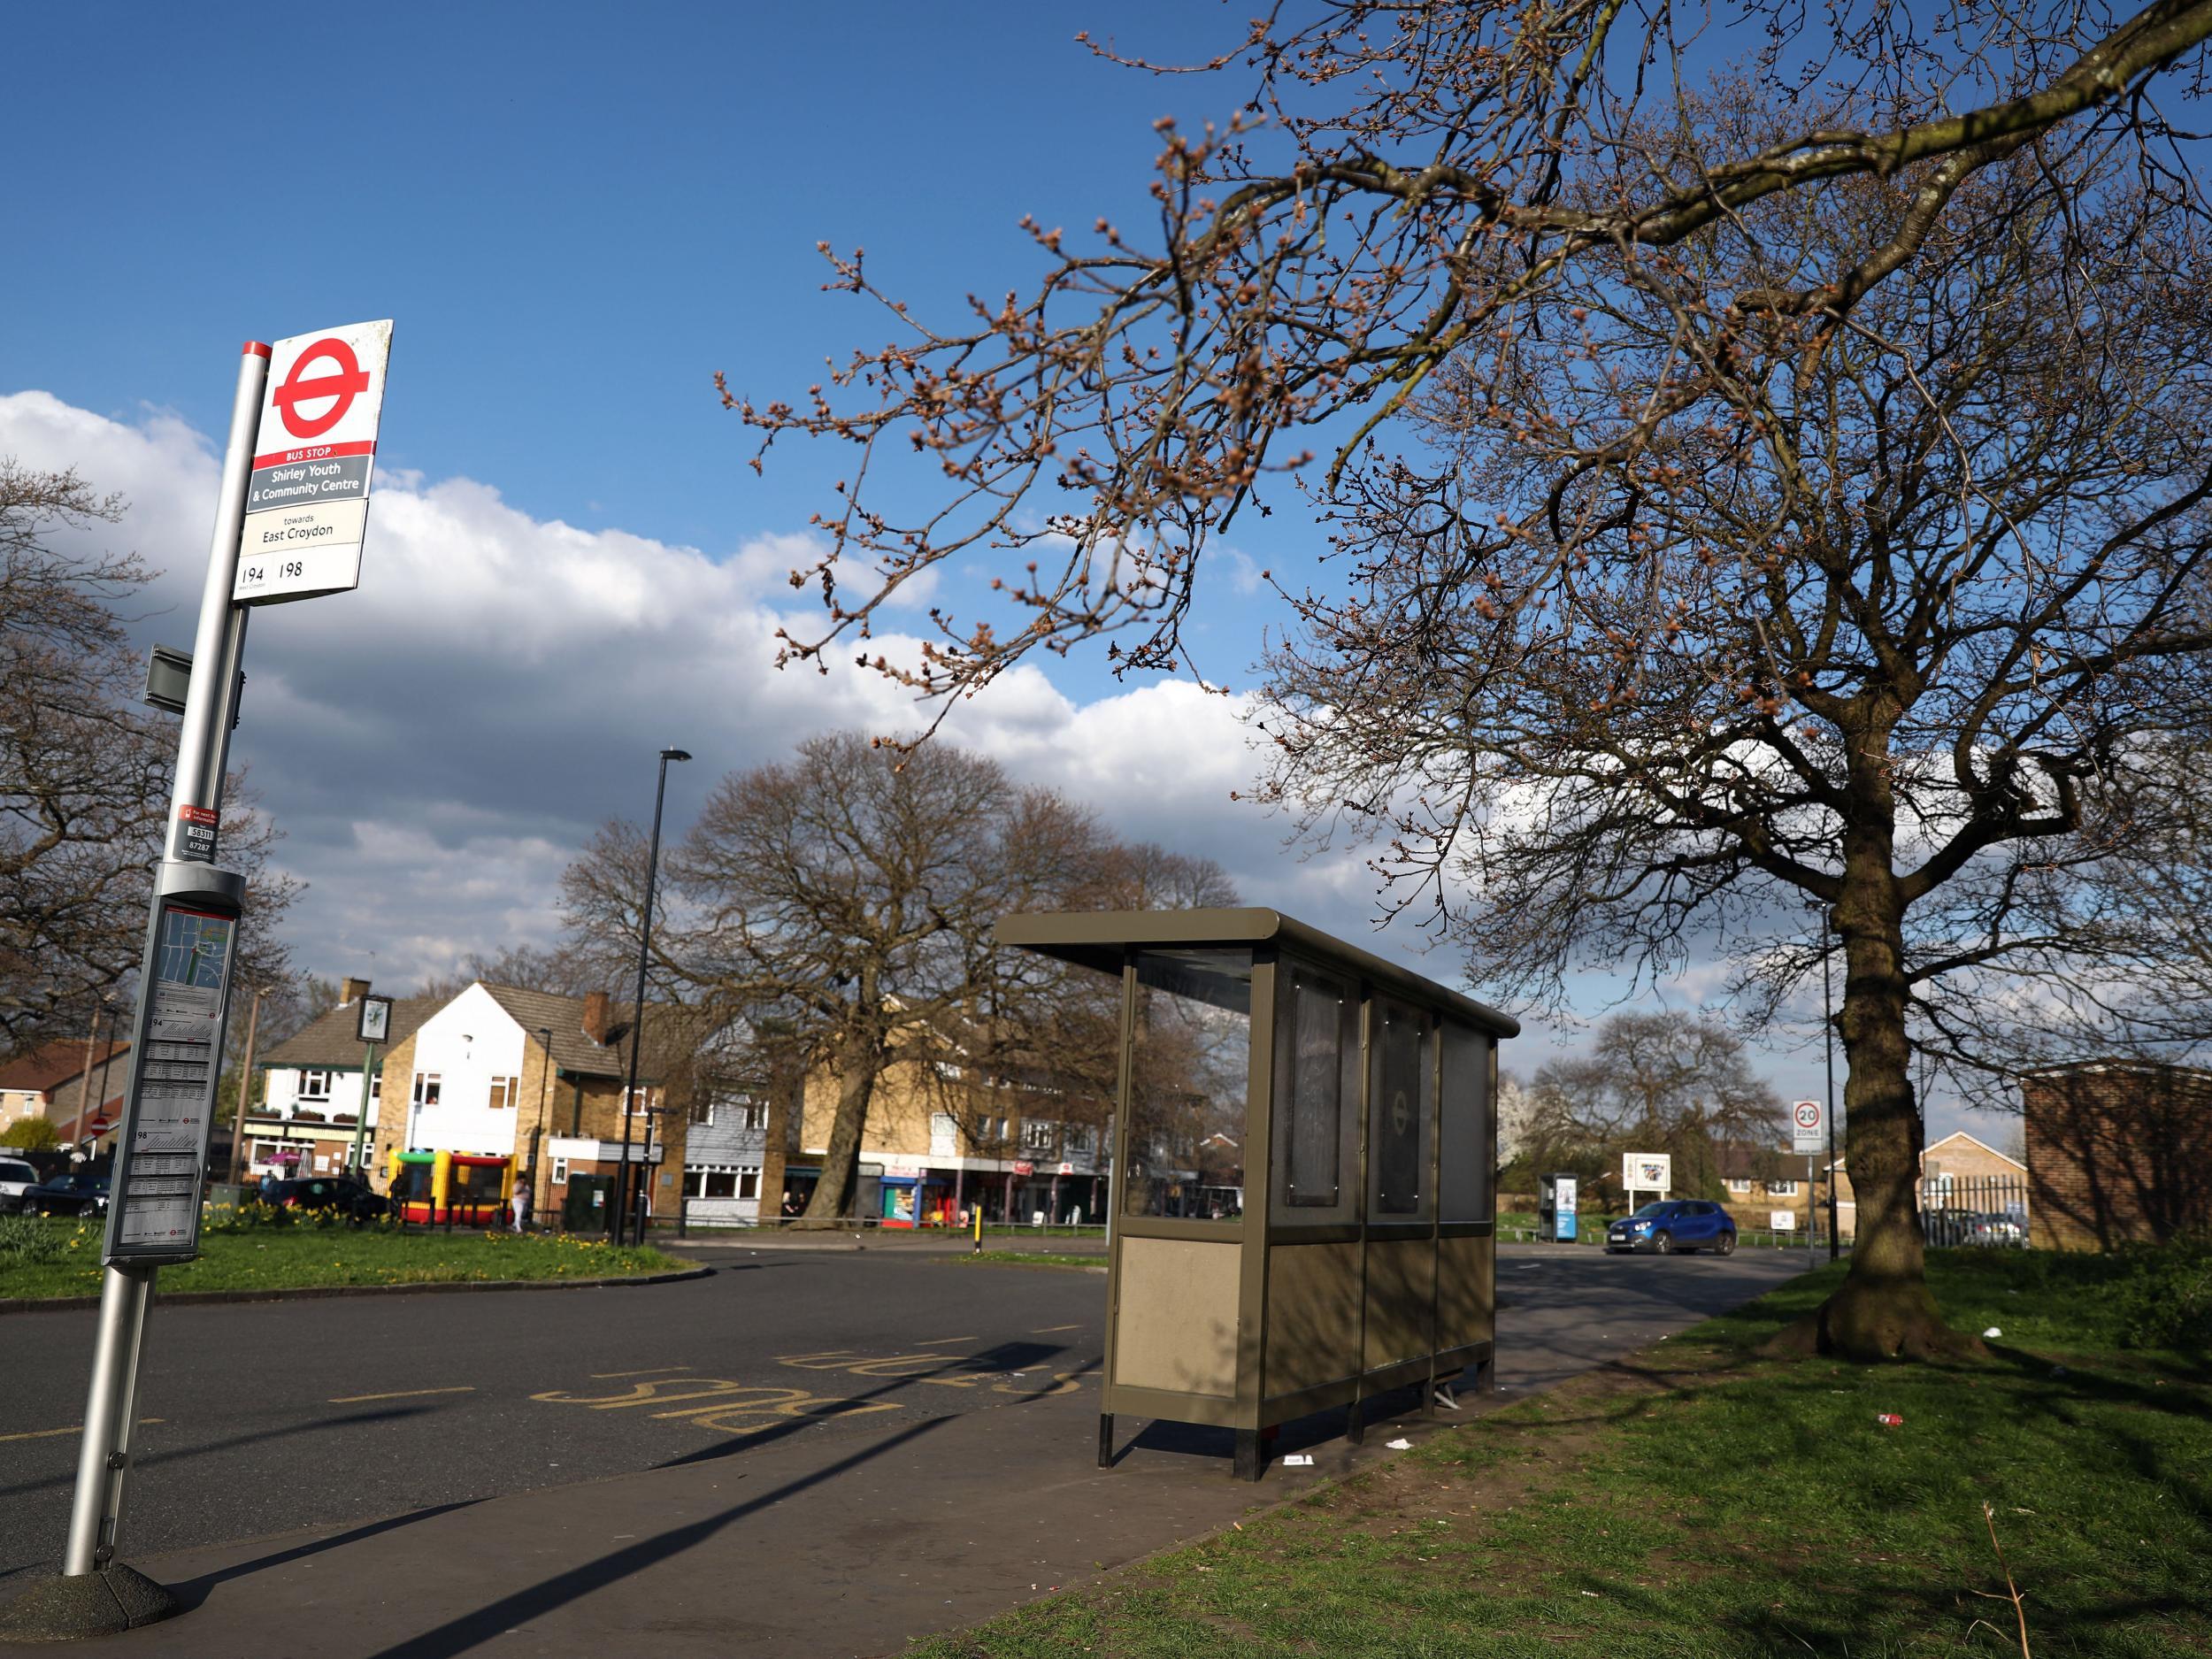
(440, 743)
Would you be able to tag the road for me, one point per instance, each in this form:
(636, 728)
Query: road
(259, 1418)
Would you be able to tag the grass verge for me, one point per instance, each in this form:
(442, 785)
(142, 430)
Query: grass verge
(65, 1260)
(1699, 1500)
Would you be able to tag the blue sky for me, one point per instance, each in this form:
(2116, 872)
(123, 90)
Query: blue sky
(576, 215)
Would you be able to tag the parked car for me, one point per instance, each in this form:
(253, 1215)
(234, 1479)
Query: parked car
(17, 1178)
(75, 1193)
(350, 1198)
(1678, 1224)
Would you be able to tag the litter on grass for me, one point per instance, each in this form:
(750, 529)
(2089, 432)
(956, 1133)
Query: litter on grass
(1399, 1446)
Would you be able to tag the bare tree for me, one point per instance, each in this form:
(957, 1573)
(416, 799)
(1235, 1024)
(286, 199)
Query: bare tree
(1802, 499)
(849, 895)
(85, 774)
(528, 968)
(1668, 1081)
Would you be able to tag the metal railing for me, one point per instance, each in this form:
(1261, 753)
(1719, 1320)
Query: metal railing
(1983, 1211)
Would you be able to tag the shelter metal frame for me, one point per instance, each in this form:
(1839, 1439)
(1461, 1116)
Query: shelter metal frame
(1298, 1303)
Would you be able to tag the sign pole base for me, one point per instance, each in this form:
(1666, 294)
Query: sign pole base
(72, 1607)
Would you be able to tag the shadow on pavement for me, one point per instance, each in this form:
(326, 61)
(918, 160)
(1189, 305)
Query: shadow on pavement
(192, 1592)
(458, 1635)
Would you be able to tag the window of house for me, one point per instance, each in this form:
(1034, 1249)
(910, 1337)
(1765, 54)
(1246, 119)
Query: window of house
(504, 1091)
(749, 1180)
(428, 1085)
(314, 1085)
(560, 1172)
(706, 1117)
(1039, 1136)
(376, 1085)
(753, 1115)
(1782, 1189)
(1079, 1137)
(1738, 1187)
(715, 1180)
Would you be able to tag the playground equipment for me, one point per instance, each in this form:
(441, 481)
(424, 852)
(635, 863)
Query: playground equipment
(457, 1188)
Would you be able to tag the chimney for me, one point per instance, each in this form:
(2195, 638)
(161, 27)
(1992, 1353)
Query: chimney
(351, 991)
(595, 1017)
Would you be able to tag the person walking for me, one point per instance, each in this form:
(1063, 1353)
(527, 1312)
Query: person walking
(521, 1202)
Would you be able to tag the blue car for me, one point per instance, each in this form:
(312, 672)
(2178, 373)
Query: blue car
(1679, 1223)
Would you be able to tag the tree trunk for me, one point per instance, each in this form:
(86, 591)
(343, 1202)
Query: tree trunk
(1883, 1309)
(859, 1060)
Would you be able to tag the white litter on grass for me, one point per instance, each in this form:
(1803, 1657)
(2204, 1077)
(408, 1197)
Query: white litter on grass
(1399, 1446)
(1298, 1460)
(1993, 1331)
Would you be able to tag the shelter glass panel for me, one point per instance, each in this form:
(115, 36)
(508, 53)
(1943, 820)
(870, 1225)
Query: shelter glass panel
(1466, 1134)
(1402, 1115)
(1190, 1062)
(1317, 1097)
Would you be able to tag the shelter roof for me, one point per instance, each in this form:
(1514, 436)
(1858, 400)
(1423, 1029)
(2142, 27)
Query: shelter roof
(1096, 939)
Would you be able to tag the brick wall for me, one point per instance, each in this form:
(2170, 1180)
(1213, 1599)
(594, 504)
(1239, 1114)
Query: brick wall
(2118, 1154)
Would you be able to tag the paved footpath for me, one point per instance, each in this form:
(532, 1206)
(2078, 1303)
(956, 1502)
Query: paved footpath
(808, 1454)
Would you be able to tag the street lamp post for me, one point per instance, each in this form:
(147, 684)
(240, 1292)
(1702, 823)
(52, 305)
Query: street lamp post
(1828, 1030)
(637, 1016)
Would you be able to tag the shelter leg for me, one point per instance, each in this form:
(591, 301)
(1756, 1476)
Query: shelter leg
(1105, 1439)
(1248, 1462)
(1355, 1423)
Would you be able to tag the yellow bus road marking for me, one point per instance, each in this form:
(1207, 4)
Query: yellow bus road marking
(733, 1408)
(1047, 1330)
(939, 1342)
(650, 1371)
(403, 1394)
(972, 1368)
(74, 1428)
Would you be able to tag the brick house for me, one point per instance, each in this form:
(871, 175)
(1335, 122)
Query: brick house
(2119, 1152)
(945, 1141)
(1765, 1188)
(540, 1078)
(1958, 1160)
(76, 1084)
(310, 1097)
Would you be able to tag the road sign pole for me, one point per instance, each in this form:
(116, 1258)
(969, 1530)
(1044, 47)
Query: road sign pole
(361, 1113)
(126, 1288)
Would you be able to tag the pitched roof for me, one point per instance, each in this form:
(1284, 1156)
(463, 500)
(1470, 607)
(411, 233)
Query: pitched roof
(672, 1032)
(1746, 1161)
(329, 1043)
(38, 1070)
(1961, 1134)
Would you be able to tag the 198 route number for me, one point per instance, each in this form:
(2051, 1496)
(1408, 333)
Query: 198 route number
(256, 574)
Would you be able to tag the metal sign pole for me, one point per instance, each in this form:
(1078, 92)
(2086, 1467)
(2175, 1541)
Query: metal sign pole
(126, 1288)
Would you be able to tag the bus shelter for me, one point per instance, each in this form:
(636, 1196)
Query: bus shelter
(1304, 1153)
